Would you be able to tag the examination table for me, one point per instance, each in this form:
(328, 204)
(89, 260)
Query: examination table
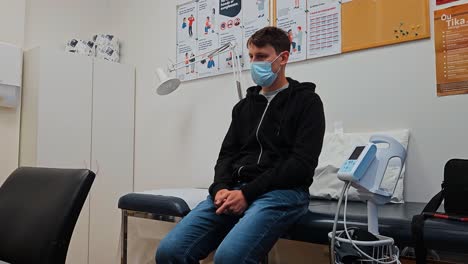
(394, 219)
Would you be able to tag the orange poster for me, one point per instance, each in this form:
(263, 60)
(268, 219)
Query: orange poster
(451, 46)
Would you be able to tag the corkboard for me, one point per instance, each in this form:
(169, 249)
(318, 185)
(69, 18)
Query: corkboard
(372, 23)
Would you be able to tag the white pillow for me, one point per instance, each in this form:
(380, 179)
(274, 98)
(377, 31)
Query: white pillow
(336, 149)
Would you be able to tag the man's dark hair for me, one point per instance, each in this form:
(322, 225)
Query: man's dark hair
(273, 36)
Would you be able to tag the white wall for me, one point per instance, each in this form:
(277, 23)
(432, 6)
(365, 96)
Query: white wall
(178, 136)
(29, 23)
(53, 22)
(12, 14)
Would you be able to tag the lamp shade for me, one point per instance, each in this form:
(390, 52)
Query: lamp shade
(166, 84)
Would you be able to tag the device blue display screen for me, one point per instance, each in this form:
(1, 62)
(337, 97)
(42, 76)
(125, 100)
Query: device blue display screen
(357, 151)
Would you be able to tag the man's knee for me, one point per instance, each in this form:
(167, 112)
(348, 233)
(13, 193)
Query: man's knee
(225, 255)
(168, 252)
(229, 255)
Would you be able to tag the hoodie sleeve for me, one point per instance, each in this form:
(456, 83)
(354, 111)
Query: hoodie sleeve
(223, 169)
(298, 168)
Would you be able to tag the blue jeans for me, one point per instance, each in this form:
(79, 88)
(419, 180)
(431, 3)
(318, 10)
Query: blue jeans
(237, 239)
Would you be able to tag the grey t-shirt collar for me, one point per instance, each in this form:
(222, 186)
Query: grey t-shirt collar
(270, 95)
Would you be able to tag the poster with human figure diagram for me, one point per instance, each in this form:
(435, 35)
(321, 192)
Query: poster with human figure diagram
(186, 53)
(208, 38)
(230, 30)
(186, 46)
(256, 16)
(187, 21)
(291, 16)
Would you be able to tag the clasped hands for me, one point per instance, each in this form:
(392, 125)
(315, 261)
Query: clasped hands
(230, 202)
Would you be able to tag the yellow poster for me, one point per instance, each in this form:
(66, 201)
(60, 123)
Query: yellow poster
(451, 46)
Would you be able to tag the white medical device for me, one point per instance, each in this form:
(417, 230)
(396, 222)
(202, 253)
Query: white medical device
(365, 170)
(356, 165)
(369, 186)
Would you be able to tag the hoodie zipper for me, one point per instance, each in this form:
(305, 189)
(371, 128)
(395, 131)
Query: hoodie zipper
(238, 171)
(258, 129)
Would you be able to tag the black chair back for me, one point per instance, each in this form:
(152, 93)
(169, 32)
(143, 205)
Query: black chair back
(39, 208)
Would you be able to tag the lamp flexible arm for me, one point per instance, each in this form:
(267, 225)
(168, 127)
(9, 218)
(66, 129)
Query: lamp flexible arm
(236, 63)
(237, 70)
(223, 49)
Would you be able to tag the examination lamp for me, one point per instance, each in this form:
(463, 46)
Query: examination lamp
(168, 84)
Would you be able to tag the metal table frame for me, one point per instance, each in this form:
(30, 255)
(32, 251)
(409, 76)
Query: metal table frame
(124, 227)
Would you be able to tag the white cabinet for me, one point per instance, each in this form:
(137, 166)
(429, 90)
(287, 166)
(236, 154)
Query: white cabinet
(78, 112)
(112, 156)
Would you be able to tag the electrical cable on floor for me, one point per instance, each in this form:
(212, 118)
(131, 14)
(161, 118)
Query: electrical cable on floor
(338, 208)
(352, 242)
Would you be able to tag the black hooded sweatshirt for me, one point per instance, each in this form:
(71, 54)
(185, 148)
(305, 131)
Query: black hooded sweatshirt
(274, 145)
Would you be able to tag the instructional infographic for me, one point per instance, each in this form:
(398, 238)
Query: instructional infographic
(451, 46)
(208, 38)
(256, 16)
(230, 19)
(187, 40)
(315, 28)
(292, 18)
(324, 27)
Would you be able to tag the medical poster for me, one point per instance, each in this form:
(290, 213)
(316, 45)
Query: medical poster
(230, 30)
(207, 37)
(186, 40)
(208, 65)
(451, 47)
(207, 17)
(186, 53)
(186, 21)
(256, 16)
(292, 18)
(324, 30)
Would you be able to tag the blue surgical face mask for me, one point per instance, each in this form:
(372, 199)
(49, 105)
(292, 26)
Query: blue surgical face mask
(262, 74)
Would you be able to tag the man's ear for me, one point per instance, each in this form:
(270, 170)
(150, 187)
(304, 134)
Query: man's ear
(285, 57)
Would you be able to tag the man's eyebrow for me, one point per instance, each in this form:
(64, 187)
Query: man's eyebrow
(259, 54)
